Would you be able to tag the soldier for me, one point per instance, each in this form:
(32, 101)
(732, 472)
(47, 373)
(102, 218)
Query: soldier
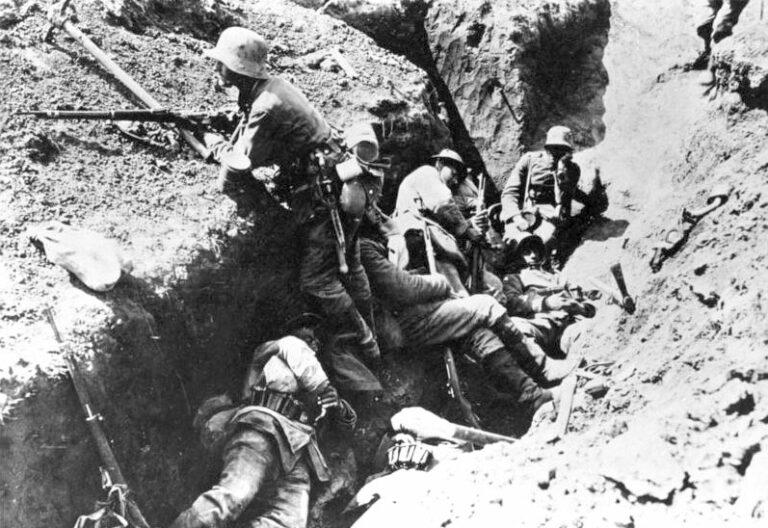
(429, 189)
(428, 313)
(279, 126)
(432, 192)
(714, 22)
(542, 310)
(267, 442)
(538, 194)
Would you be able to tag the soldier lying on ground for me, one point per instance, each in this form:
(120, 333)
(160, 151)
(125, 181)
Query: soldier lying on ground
(279, 126)
(550, 317)
(428, 313)
(267, 441)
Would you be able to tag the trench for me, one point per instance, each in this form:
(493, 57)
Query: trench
(160, 354)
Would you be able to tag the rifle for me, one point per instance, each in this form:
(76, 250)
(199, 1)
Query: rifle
(191, 120)
(476, 279)
(119, 504)
(326, 188)
(454, 385)
(63, 19)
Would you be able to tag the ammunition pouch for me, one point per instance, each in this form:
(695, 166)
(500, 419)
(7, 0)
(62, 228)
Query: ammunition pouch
(280, 402)
(541, 194)
(408, 453)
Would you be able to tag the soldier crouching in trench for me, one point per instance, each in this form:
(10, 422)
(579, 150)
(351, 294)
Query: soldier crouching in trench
(279, 126)
(267, 442)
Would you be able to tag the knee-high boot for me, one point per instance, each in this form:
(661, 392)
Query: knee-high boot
(530, 356)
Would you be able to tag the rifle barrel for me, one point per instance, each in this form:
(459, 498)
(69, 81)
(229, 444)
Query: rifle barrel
(155, 115)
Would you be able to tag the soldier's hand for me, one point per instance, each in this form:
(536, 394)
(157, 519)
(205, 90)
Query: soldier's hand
(480, 221)
(520, 222)
(328, 397)
(562, 302)
(211, 139)
(398, 250)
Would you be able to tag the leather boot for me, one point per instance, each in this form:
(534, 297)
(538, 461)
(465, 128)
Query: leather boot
(366, 339)
(507, 377)
(530, 356)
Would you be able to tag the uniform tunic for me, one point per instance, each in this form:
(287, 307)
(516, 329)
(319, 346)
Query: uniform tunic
(267, 458)
(540, 169)
(278, 125)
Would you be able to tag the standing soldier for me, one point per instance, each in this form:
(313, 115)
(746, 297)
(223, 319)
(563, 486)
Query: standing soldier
(279, 126)
(267, 442)
(537, 196)
(714, 22)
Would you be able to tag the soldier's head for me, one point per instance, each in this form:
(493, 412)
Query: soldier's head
(532, 251)
(559, 141)
(241, 57)
(450, 166)
(305, 326)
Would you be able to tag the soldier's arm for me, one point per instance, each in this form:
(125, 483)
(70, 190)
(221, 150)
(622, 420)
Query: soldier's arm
(248, 138)
(574, 174)
(519, 302)
(511, 195)
(397, 286)
(302, 361)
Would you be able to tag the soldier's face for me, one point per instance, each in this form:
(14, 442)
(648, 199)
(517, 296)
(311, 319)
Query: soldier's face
(448, 175)
(532, 257)
(225, 76)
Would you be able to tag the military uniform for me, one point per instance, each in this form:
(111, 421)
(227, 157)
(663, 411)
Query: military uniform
(715, 19)
(267, 443)
(555, 331)
(427, 315)
(424, 192)
(280, 127)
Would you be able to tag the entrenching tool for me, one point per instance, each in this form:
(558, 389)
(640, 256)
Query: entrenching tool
(568, 390)
(675, 238)
(119, 506)
(62, 18)
(454, 386)
(627, 302)
(496, 83)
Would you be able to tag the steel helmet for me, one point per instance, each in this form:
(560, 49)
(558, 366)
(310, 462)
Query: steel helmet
(241, 50)
(559, 136)
(451, 156)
